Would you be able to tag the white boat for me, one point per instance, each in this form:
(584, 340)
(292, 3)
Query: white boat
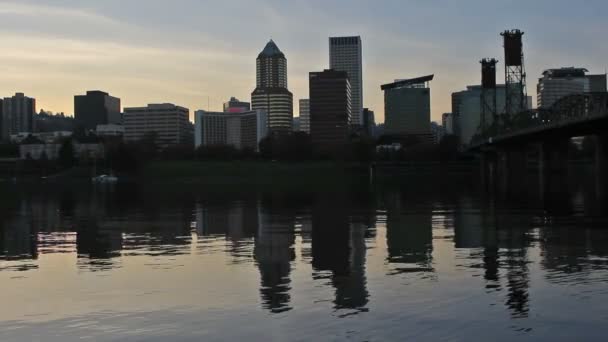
(105, 179)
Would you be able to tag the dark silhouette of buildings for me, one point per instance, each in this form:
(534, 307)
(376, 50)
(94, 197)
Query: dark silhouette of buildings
(17, 115)
(330, 109)
(271, 94)
(96, 108)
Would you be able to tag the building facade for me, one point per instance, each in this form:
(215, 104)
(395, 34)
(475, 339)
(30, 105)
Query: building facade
(168, 123)
(240, 130)
(558, 83)
(235, 106)
(330, 109)
(369, 122)
(96, 108)
(447, 121)
(467, 104)
(271, 94)
(305, 115)
(407, 107)
(345, 54)
(17, 115)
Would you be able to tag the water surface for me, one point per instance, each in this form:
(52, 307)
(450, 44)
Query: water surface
(138, 263)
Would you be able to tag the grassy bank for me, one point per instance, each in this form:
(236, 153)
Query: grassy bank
(257, 173)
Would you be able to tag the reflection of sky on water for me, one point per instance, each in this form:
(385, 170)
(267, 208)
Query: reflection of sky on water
(127, 265)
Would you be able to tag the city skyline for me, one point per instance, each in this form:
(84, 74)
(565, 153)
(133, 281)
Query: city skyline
(141, 60)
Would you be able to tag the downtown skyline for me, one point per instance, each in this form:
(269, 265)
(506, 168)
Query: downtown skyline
(135, 56)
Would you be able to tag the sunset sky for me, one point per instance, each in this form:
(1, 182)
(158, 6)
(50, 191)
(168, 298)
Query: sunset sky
(189, 51)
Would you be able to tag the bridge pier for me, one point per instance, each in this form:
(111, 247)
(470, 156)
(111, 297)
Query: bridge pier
(553, 165)
(488, 169)
(601, 165)
(512, 168)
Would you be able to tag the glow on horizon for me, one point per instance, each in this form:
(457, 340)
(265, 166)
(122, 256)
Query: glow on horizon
(204, 52)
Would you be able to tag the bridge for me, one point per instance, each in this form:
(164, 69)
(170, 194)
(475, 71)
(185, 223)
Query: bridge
(505, 147)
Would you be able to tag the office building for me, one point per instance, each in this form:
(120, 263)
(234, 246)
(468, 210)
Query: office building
(305, 115)
(345, 54)
(17, 115)
(271, 94)
(168, 123)
(236, 106)
(240, 130)
(369, 122)
(467, 104)
(96, 108)
(330, 109)
(558, 83)
(437, 131)
(447, 121)
(407, 108)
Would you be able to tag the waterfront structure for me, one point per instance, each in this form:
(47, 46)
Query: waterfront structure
(407, 108)
(558, 83)
(345, 54)
(330, 109)
(305, 115)
(111, 130)
(235, 106)
(240, 130)
(271, 94)
(369, 122)
(447, 121)
(36, 148)
(168, 123)
(17, 115)
(468, 105)
(96, 108)
(46, 137)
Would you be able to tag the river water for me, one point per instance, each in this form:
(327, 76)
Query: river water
(385, 263)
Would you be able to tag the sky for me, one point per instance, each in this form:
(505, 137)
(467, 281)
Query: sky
(198, 53)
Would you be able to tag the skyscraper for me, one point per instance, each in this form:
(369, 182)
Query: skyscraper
(369, 122)
(345, 54)
(96, 108)
(330, 109)
(557, 83)
(241, 130)
(407, 107)
(271, 94)
(17, 115)
(305, 115)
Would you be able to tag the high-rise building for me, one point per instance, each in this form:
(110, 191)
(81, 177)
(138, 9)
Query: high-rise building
(345, 54)
(467, 104)
(447, 121)
(557, 83)
(17, 115)
(305, 115)
(330, 109)
(240, 130)
(271, 94)
(168, 123)
(369, 122)
(96, 108)
(407, 107)
(235, 106)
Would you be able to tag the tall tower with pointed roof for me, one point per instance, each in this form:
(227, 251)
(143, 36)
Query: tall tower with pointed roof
(271, 94)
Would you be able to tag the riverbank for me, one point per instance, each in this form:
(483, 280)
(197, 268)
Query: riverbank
(258, 173)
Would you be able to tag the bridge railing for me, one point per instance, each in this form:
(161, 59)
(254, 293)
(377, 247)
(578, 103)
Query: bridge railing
(568, 109)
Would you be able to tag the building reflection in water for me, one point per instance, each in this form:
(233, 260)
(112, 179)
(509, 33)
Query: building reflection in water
(274, 252)
(409, 234)
(338, 247)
